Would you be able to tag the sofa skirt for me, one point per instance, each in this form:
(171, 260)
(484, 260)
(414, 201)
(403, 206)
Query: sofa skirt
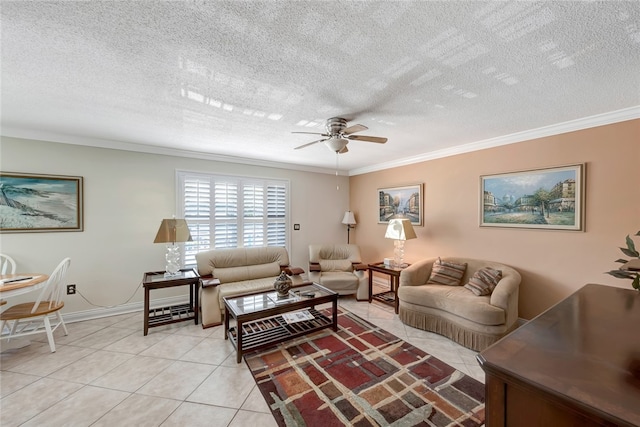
(443, 324)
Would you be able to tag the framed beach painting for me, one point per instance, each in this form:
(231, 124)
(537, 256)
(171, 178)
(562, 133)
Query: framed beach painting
(549, 198)
(40, 203)
(400, 202)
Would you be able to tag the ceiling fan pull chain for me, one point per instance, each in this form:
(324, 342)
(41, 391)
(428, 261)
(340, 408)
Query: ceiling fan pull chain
(337, 178)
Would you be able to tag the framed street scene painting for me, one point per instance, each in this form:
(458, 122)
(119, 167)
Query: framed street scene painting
(39, 203)
(400, 202)
(550, 198)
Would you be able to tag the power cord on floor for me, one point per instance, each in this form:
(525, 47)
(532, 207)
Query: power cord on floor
(110, 306)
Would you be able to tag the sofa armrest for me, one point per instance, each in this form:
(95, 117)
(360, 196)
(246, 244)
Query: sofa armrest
(417, 273)
(505, 295)
(209, 281)
(292, 271)
(314, 266)
(358, 266)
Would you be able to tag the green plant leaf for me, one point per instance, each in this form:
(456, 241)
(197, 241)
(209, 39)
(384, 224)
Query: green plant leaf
(623, 261)
(636, 282)
(631, 245)
(638, 233)
(632, 254)
(620, 274)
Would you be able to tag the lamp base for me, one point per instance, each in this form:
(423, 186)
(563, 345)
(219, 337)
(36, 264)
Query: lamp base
(398, 252)
(172, 268)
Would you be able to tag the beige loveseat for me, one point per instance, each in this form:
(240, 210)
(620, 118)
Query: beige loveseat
(456, 312)
(237, 271)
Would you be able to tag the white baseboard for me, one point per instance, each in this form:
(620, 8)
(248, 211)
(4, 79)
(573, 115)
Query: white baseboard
(97, 313)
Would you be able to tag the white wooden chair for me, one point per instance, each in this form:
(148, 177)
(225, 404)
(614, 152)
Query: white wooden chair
(33, 317)
(7, 266)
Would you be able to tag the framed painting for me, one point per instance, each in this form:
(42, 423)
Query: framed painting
(400, 202)
(40, 203)
(550, 198)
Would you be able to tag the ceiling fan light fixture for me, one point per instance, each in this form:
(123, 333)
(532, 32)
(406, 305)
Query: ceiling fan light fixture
(335, 143)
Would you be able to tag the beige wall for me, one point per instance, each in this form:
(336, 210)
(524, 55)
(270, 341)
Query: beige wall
(553, 264)
(126, 194)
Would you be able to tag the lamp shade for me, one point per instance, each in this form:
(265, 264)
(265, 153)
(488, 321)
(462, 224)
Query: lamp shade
(400, 229)
(348, 218)
(172, 231)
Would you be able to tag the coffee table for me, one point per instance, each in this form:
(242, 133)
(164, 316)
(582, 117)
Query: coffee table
(261, 317)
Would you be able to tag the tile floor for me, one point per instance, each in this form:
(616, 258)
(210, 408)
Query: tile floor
(106, 373)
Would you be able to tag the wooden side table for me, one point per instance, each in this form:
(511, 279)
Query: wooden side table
(391, 296)
(177, 313)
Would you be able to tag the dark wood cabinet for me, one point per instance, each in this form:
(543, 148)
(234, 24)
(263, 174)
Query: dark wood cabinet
(576, 364)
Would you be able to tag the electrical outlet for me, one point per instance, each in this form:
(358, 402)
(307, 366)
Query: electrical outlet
(71, 289)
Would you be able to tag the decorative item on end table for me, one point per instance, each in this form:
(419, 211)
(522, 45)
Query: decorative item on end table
(172, 231)
(630, 269)
(350, 221)
(283, 285)
(400, 230)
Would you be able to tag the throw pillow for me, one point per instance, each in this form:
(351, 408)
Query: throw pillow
(336, 265)
(446, 273)
(484, 281)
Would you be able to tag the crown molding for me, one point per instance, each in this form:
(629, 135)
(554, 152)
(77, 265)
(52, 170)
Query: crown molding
(617, 116)
(151, 149)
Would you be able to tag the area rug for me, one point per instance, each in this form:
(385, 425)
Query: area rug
(362, 375)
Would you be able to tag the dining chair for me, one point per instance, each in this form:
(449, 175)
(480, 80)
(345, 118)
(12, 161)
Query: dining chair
(33, 317)
(7, 264)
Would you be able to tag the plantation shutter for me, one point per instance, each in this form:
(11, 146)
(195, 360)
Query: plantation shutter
(230, 212)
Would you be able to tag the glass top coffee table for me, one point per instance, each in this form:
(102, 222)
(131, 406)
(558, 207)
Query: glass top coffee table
(263, 319)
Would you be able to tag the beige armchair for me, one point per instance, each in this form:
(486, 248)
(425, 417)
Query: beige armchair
(339, 268)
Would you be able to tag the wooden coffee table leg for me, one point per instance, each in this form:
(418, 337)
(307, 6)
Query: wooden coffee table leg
(335, 315)
(239, 341)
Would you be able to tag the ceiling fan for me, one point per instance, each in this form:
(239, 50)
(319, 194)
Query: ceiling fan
(338, 135)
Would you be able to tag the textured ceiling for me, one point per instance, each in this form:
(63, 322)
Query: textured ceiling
(236, 78)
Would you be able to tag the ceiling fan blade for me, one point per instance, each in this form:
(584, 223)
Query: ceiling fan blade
(314, 133)
(310, 143)
(344, 150)
(377, 139)
(354, 128)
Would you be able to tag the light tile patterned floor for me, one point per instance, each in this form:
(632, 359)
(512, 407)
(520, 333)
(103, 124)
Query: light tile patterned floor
(106, 373)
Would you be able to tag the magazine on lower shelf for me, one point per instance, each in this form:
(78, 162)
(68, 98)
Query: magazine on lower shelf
(298, 316)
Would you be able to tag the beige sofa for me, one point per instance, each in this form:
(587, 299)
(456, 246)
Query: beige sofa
(237, 271)
(339, 268)
(454, 311)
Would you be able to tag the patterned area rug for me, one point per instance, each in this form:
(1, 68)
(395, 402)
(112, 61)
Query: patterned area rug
(363, 376)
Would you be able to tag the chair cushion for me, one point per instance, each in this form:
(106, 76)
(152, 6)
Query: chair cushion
(339, 280)
(336, 265)
(484, 281)
(446, 273)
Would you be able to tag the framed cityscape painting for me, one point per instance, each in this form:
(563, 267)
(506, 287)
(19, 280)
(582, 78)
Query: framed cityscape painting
(550, 198)
(400, 202)
(40, 203)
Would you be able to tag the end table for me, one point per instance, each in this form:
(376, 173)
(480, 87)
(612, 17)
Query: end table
(177, 313)
(389, 297)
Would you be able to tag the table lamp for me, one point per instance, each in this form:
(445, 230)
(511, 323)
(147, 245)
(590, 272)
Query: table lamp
(172, 231)
(399, 230)
(350, 221)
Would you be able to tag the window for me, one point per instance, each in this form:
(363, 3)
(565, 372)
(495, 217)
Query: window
(232, 211)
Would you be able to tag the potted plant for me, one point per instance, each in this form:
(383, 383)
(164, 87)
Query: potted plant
(630, 269)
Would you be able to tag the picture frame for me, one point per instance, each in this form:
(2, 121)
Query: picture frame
(547, 198)
(40, 203)
(400, 202)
